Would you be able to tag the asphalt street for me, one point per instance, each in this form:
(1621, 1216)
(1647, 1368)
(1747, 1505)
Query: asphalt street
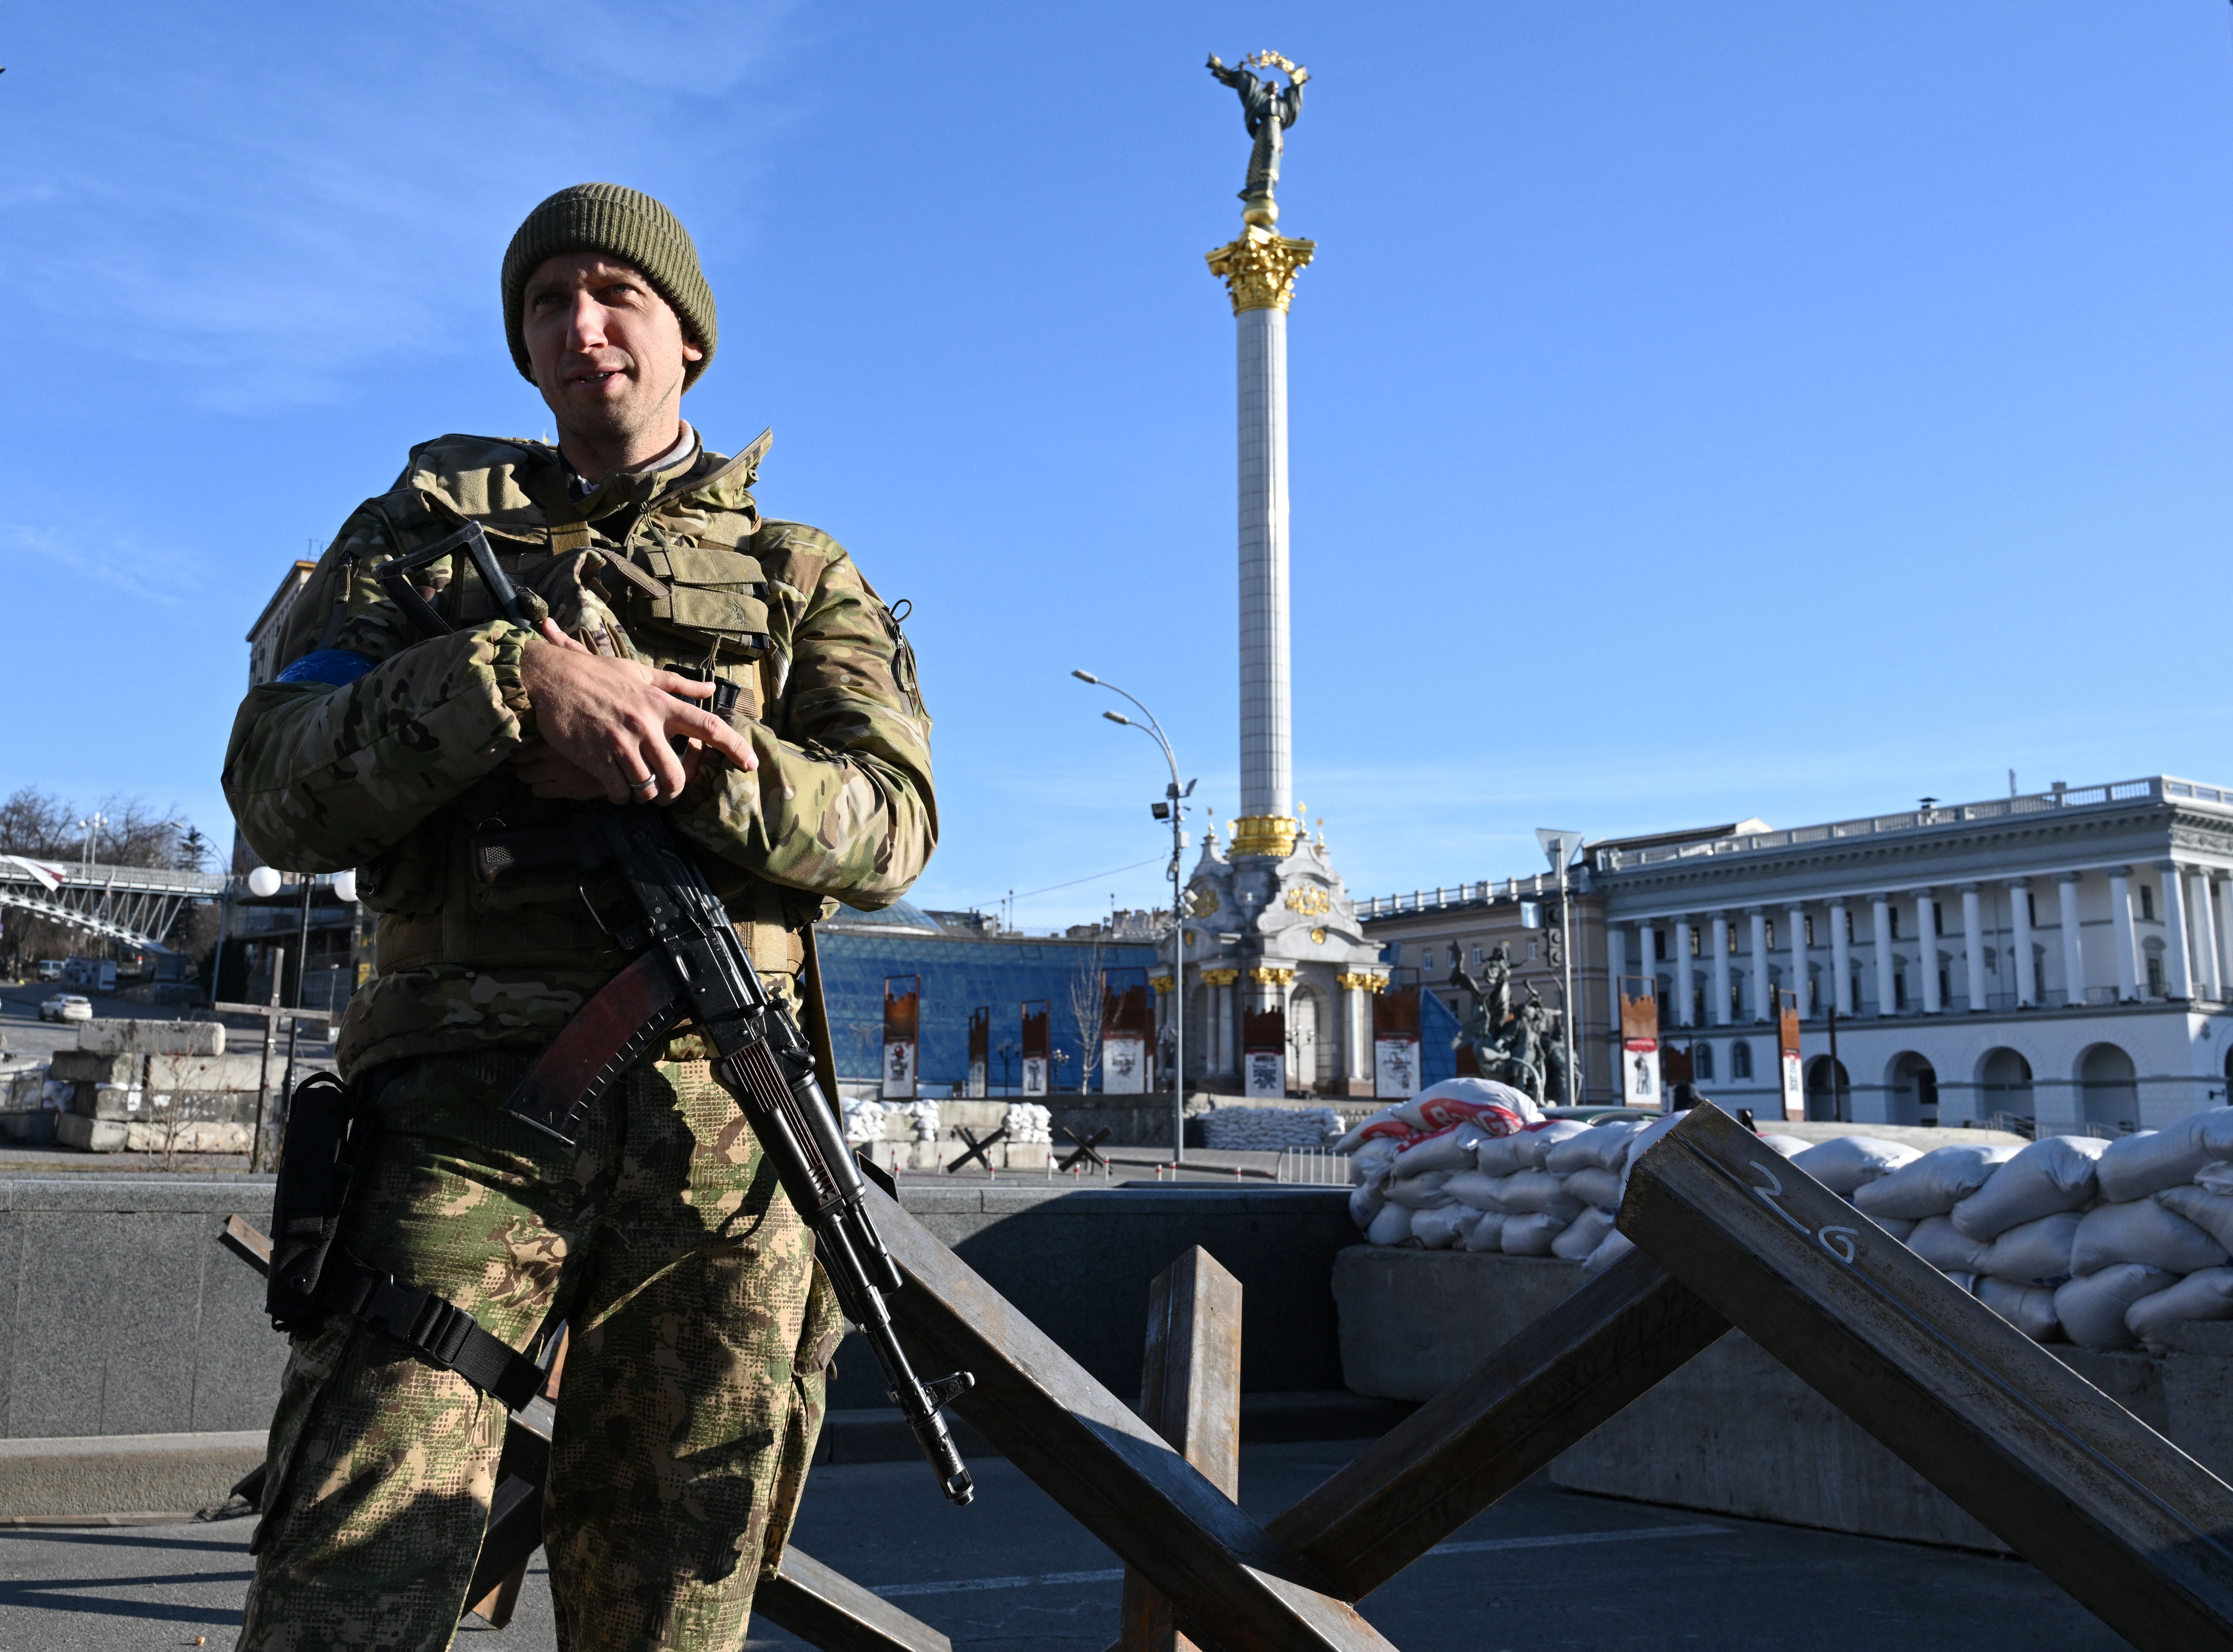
(1543, 1572)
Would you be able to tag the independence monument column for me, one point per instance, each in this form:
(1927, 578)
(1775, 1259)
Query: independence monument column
(1260, 273)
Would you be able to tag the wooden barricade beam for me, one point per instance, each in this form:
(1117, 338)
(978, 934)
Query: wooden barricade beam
(1547, 1389)
(1189, 1394)
(2136, 1531)
(1229, 1582)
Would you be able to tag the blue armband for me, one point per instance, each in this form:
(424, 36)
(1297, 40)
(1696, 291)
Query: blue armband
(335, 665)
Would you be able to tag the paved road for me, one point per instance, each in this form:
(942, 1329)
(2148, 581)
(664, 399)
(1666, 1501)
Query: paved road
(1544, 1572)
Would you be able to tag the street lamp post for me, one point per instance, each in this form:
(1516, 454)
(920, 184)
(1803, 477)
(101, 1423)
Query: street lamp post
(1559, 848)
(1173, 808)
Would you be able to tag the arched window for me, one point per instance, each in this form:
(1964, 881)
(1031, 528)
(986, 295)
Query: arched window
(1702, 1057)
(2111, 1088)
(1740, 1059)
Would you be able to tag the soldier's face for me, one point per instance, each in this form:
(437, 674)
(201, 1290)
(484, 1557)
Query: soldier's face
(607, 351)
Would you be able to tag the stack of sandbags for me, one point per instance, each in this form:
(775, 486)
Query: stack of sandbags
(1028, 1122)
(864, 1118)
(1267, 1130)
(1443, 1122)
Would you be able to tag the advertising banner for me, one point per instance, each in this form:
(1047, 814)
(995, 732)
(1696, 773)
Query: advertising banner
(1395, 1042)
(1263, 1053)
(1794, 1082)
(980, 1052)
(1037, 1049)
(1639, 1044)
(903, 1021)
(1127, 1019)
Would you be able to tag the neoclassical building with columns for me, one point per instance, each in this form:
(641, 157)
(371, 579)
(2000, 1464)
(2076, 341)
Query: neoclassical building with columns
(2064, 956)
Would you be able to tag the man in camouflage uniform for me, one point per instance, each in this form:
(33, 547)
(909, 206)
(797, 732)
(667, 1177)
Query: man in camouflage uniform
(699, 1332)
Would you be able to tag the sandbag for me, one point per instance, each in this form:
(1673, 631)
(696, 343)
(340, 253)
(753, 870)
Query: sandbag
(1939, 1242)
(2217, 1176)
(2204, 1295)
(2143, 1232)
(1392, 1226)
(2093, 1307)
(2135, 1166)
(2050, 1175)
(1642, 1142)
(1602, 1146)
(1593, 1187)
(2030, 1308)
(2036, 1253)
(1538, 1192)
(1615, 1246)
(1471, 1188)
(1524, 1150)
(1531, 1235)
(1486, 1233)
(1898, 1227)
(1583, 1235)
(2210, 1210)
(1437, 1230)
(1450, 1148)
(1932, 1185)
(1383, 1125)
(1376, 1154)
(1420, 1192)
(1368, 1201)
(1789, 1146)
(1847, 1163)
(1499, 1108)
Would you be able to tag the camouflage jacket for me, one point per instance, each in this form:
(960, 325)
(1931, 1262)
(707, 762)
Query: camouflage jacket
(391, 769)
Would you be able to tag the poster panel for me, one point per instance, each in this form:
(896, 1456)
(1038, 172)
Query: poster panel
(903, 1021)
(1395, 1042)
(1037, 1048)
(1639, 1044)
(1127, 1019)
(980, 1052)
(1794, 1083)
(1264, 1053)
(1123, 1065)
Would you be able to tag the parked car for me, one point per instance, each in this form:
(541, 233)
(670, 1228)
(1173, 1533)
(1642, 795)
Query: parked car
(66, 1006)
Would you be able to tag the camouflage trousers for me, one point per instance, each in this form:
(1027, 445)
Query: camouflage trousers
(701, 1338)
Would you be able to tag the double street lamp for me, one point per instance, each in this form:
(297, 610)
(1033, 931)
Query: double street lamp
(1171, 808)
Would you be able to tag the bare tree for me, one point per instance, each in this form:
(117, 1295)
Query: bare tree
(132, 833)
(1088, 1001)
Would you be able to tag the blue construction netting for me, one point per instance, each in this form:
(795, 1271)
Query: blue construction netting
(958, 974)
(1438, 1030)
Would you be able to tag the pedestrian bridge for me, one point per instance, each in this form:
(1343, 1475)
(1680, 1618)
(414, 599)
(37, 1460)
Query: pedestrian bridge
(137, 905)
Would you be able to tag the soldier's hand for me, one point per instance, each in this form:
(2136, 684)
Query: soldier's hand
(605, 725)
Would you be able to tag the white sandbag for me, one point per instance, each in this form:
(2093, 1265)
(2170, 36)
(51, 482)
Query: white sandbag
(2207, 1294)
(1641, 1141)
(1486, 1234)
(1392, 1226)
(1375, 1155)
(1438, 1230)
(1383, 1125)
(1583, 1235)
(1471, 1188)
(1932, 1185)
(1845, 1164)
(1899, 1227)
(2143, 1232)
(1524, 1151)
(2136, 1165)
(1965, 1282)
(1368, 1201)
(2030, 1308)
(2052, 1174)
(1538, 1193)
(1498, 1108)
(1602, 1146)
(1789, 1146)
(2217, 1176)
(1419, 1192)
(2093, 1307)
(1593, 1187)
(1531, 1235)
(2034, 1252)
(1616, 1245)
(2209, 1210)
(1937, 1242)
(1447, 1149)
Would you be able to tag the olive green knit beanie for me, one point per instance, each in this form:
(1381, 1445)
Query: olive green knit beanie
(629, 225)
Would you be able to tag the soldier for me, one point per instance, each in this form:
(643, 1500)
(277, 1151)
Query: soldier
(699, 1333)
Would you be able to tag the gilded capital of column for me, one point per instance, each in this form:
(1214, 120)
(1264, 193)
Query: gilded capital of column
(1260, 269)
(1271, 975)
(1220, 977)
(1361, 981)
(1161, 983)
(1273, 834)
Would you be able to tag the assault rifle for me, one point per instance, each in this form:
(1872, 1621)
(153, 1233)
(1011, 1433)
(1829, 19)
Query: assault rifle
(690, 962)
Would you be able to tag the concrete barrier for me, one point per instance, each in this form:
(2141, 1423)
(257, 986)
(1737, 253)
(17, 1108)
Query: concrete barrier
(1733, 1432)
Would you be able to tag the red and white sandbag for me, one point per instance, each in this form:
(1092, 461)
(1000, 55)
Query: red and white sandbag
(1448, 1148)
(1499, 1108)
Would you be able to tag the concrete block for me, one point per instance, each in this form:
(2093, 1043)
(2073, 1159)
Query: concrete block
(29, 1129)
(206, 1106)
(1414, 1322)
(74, 1129)
(980, 1116)
(238, 1071)
(90, 1067)
(114, 1101)
(151, 1037)
(110, 1474)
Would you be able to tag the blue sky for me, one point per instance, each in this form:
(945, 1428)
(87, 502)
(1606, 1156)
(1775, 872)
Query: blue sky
(1698, 411)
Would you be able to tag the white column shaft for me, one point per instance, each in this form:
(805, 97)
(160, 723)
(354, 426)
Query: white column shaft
(2073, 944)
(1616, 962)
(1926, 953)
(1796, 917)
(2027, 967)
(2204, 926)
(1686, 991)
(1266, 748)
(1887, 997)
(1841, 958)
(2128, 947)
(1720, 941)
(2178, 967)
(1759, 964)
(1973, 946)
